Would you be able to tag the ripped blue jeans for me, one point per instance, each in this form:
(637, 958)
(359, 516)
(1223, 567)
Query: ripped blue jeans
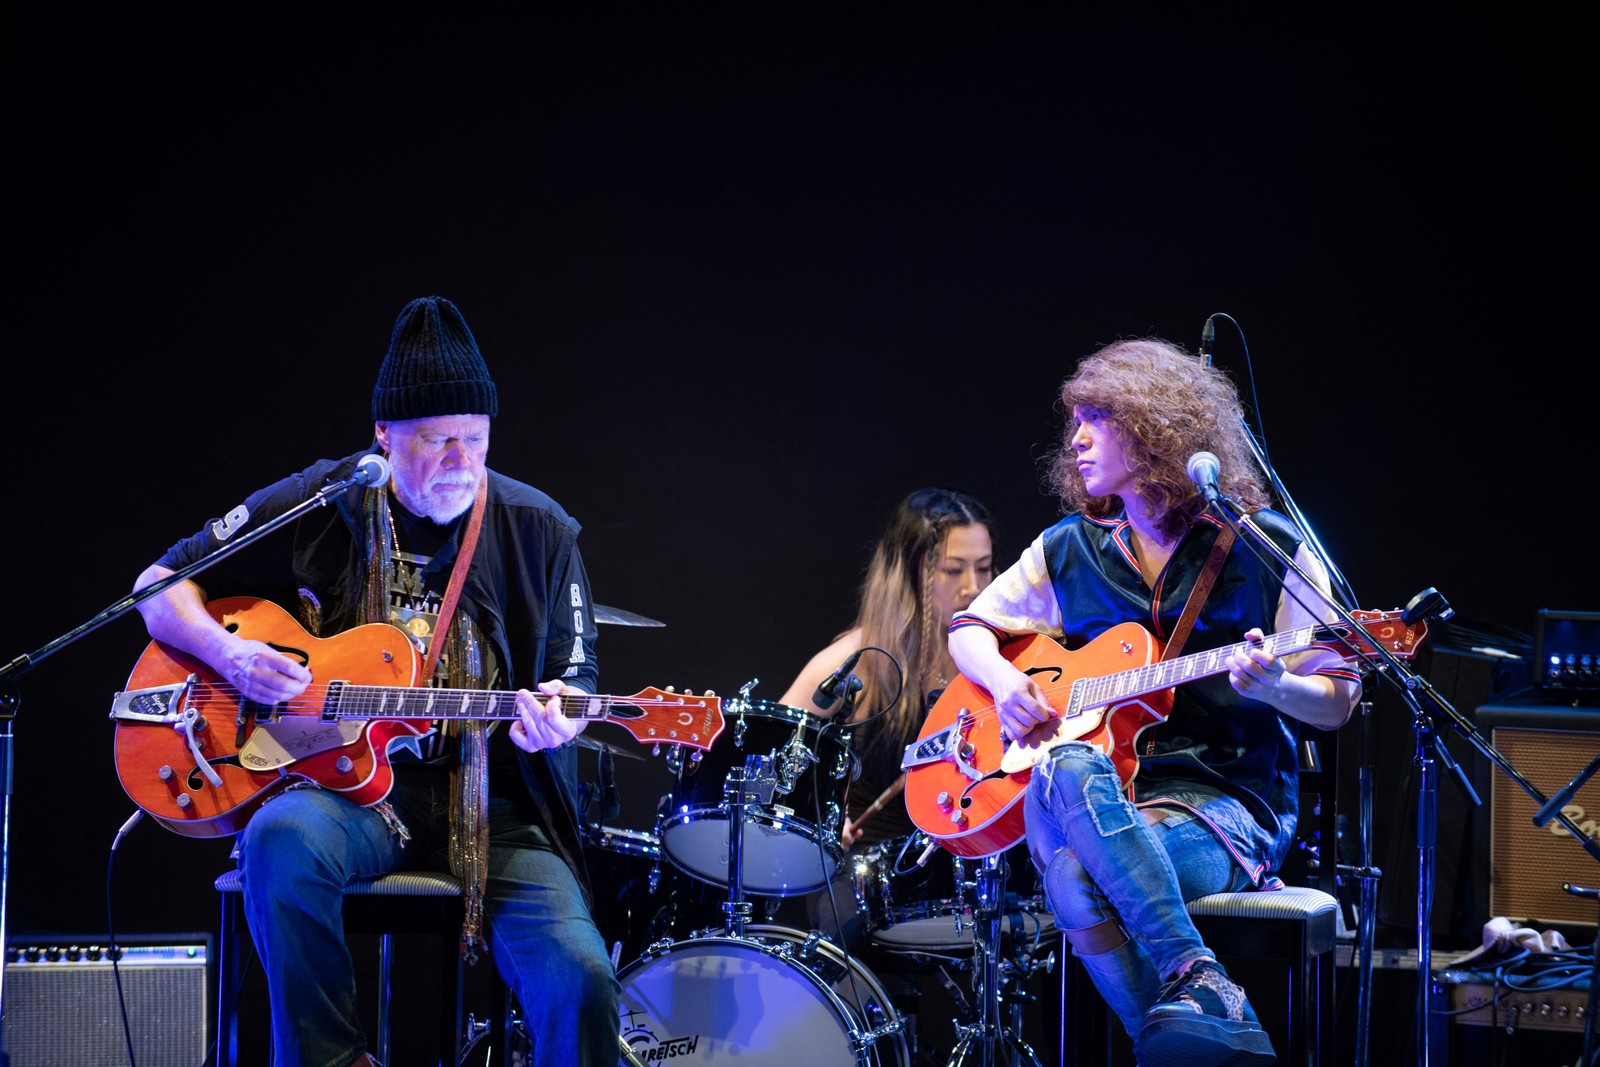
(1099, 860)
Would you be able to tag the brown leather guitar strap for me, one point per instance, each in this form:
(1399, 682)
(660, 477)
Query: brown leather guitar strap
(1201, 590)
(458, 577)
(469, 821)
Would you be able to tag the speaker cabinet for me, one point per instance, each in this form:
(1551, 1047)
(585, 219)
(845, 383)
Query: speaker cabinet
(61, 1004)
(1550, 745)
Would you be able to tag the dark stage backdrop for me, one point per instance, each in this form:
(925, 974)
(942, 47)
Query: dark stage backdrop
(745, 280)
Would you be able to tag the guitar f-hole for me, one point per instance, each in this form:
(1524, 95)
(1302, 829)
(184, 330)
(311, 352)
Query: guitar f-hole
(966, 801)
(196, 778)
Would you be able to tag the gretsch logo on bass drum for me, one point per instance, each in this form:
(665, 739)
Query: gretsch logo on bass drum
(647, 1048)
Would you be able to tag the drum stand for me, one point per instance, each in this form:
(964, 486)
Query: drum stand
(752, 784)
(734, 798)
(982, 1043)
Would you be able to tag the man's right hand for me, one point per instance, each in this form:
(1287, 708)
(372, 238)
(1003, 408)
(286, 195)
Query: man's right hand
(261, 673)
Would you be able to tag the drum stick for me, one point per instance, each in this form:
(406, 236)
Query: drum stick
(896, 787)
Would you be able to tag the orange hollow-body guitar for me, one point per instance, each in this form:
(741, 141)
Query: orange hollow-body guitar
(965, 782)
(200, 759)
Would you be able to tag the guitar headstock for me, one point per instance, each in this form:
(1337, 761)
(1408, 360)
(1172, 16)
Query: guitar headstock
(1384, 629)
(664, 717)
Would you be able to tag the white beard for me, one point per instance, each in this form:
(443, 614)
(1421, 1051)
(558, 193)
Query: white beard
(441, 503)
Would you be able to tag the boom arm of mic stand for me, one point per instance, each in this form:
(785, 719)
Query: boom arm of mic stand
(22, 664)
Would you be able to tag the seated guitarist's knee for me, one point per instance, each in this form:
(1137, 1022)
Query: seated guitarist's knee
(1104, 936)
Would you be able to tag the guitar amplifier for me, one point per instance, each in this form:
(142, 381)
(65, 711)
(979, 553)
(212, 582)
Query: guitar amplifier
(1566, 652)
(1550, 745)
(61, 1004)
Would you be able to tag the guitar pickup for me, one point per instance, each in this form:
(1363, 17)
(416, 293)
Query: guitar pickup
(158, 704)
(947, 744)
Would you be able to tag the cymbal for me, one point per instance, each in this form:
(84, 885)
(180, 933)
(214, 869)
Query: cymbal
(618, 617)
(632, 751)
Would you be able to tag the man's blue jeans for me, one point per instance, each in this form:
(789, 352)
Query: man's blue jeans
(301, 849)
(1100, 861)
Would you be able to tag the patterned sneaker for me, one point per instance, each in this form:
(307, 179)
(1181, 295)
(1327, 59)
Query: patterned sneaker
(1203, 1020)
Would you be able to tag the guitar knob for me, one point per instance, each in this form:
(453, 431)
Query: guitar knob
(944, 799)
(958, 818)
(343, 764)
(184, 801)
(164, 773)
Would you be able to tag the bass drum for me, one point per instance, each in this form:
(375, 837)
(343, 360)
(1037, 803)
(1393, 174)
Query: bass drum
(775, 997)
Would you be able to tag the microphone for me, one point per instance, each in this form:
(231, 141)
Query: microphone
(1208, 333)
(1204, 470)
(1554, 805)
(371, 470)
(827, 694)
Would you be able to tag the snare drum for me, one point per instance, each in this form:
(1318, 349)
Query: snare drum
(775, 997)
(799, 767)
(907, 908)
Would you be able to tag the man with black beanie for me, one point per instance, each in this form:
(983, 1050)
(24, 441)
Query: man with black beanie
(483, 573)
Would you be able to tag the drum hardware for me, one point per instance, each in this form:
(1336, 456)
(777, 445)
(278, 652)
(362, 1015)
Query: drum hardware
(981, 1043)
(734, 799)
(794, 761)
(741, 704)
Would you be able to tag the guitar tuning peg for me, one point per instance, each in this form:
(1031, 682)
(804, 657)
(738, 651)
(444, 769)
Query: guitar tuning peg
(671, 689)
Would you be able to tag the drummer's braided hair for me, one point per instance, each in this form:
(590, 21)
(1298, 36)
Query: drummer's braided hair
(897, 612)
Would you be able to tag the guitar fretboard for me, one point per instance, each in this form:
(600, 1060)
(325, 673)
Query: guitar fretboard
(385, 702)
(1164, 674)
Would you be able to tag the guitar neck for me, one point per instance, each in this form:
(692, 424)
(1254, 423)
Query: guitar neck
(1164, 674)
(345, 701)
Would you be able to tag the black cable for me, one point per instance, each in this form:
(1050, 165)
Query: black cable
(1258, 438)
(900, 688)
(111, 933)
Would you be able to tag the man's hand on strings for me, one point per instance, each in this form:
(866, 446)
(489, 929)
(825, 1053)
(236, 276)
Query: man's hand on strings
(261, 673)
(541, 724)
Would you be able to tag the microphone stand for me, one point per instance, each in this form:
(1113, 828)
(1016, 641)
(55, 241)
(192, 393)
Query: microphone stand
(10, 697)
(1426, 704)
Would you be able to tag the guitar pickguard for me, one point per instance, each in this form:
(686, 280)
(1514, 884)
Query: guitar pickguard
(277, 744)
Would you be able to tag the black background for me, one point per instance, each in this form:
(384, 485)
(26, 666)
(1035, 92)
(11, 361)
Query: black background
(745, 278)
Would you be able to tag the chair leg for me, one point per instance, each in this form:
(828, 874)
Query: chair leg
(231, 931)
(454, 975)
(385, 989)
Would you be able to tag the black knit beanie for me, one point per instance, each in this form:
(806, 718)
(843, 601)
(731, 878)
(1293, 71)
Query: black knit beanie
(433, 367)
